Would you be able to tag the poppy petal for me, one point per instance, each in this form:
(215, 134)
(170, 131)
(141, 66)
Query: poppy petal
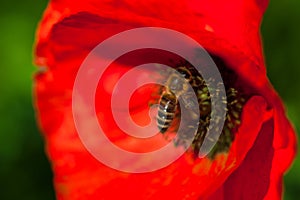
(70, 30)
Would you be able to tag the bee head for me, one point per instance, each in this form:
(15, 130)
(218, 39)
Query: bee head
(176, 83)
(185, 73)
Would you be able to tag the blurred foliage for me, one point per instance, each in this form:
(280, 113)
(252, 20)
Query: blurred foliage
(24, 169)
(281, 37)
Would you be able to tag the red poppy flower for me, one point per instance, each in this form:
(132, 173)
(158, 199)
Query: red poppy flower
(263, 146)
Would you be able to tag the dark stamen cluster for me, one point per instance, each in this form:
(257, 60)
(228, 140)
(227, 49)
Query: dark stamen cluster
(235, 100)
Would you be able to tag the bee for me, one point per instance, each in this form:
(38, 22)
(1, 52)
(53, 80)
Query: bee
(176, 86)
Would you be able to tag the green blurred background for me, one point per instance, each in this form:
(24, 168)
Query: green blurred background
(281, 37)
(24, 170)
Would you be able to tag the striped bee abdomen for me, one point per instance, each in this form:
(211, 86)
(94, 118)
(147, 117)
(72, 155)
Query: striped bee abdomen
(166, 110)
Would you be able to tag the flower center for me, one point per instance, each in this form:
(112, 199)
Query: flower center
(169, 114)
